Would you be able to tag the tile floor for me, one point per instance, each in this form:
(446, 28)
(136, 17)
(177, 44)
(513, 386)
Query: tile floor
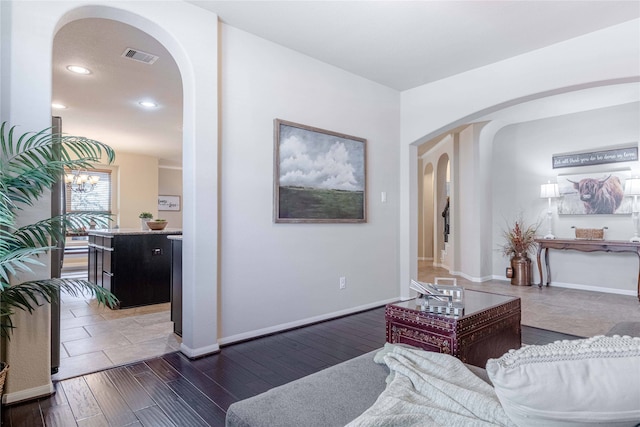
(570, 311)
(95, 337)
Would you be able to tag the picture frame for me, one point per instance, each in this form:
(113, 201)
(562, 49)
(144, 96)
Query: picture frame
(168, 203)
(594, 193)
(319, 175)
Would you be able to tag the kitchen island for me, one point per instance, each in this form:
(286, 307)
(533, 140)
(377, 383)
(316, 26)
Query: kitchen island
(135, 265)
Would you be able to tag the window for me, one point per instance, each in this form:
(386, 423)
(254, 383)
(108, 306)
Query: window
(96, 200)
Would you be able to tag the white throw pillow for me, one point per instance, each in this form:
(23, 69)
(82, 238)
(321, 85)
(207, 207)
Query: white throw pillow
(593, 381)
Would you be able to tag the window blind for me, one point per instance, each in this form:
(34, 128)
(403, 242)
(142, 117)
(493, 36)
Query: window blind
(96, 200)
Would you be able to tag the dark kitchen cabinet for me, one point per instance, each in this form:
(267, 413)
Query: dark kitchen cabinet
(135, 266)
(176, 283)
(92, 260)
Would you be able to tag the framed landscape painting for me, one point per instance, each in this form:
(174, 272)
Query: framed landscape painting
(319, 175)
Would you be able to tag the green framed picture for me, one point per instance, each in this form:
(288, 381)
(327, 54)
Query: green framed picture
(320, 175)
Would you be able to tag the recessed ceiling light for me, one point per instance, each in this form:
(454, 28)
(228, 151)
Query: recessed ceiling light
(58, 106)
(78, 69)
(148, 104)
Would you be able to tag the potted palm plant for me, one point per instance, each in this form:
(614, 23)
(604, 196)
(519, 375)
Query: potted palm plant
(29, 165)
(519, 243)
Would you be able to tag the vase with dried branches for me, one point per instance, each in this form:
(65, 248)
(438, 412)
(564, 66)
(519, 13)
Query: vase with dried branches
(519, 243)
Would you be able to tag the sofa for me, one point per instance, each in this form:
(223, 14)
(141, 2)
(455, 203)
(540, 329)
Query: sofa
(567, 383)
(331, 397)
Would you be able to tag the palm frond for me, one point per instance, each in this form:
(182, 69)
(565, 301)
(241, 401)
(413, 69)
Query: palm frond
(38, 234)
(16, 261)
(36, 160)
(28, 296)
(29, 165)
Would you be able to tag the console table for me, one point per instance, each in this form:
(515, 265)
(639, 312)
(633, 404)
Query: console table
(583, 245)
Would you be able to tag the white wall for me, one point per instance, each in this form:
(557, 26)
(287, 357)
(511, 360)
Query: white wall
(282, 274)
(469, 199)
(524, 153)
(137, 188)
(170, 184)
(136, 182)
(589, 60)
(426, 211)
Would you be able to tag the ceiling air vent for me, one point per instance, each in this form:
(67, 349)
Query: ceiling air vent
(140, 56)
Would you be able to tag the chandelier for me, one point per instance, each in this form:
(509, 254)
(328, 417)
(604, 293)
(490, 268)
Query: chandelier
(80, 181)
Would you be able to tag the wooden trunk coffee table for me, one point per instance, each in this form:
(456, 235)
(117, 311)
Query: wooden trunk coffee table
(488, 328)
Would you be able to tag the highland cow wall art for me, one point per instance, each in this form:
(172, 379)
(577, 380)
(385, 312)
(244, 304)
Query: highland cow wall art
(599, 193)
(320, 176)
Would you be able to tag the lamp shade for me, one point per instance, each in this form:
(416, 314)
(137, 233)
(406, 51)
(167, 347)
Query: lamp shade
(632, 187)
(549, 191)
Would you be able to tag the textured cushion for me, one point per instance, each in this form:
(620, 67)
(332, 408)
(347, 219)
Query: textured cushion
(594, 381)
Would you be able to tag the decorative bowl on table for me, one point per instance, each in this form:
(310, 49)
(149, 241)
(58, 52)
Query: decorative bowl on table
(157, 224)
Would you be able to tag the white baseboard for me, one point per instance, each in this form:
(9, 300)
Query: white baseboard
(298, 323)
(473, 278)
(193, 353)
(28, 394)
(580, 287)
(592, 288)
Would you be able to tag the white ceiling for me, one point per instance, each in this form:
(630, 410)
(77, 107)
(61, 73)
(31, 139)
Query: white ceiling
(395, 43)
(404, 44)
(104, 104)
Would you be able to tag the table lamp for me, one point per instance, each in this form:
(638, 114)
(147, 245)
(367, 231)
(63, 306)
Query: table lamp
(549, 191)
(632, 188)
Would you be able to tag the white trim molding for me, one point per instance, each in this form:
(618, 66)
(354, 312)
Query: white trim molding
(193, 353)
(29, 394)
(303, 322)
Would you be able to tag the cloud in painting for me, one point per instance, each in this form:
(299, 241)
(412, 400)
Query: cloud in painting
(328, 169)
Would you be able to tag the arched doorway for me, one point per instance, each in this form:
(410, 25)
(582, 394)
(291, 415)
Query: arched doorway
(125, 66)
(29, 104)
(199, 69)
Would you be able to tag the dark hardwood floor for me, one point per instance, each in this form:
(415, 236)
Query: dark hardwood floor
(174, 391)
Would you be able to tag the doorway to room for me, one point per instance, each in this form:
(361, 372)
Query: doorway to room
(126, 69)
(435, 224)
